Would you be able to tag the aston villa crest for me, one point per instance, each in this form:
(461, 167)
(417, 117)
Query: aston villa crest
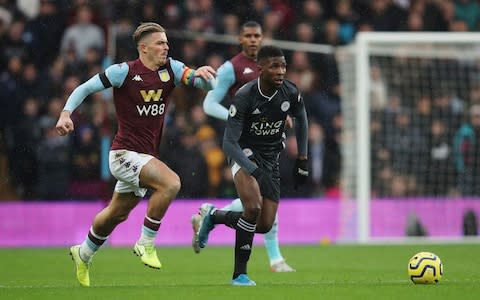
(164, 76)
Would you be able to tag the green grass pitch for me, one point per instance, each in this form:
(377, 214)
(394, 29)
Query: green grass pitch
(323, 272)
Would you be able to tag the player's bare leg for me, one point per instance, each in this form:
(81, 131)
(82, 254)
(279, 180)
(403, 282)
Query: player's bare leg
(246, 226)
(166, 184)
(115, 213)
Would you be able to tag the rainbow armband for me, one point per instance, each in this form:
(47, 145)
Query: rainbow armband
(188, 76)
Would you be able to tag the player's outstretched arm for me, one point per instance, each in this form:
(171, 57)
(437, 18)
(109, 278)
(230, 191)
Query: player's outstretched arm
(203, 77)
(65, 124)
(113, 76)
(225, 79)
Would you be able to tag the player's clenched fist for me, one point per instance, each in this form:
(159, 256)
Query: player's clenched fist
(65, 124)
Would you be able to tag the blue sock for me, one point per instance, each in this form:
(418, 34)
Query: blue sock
(90, 245)
(149, 231)
(271, 243)
(235, 205)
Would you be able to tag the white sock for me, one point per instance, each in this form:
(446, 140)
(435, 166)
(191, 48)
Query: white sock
(235, 205)
(148, 235)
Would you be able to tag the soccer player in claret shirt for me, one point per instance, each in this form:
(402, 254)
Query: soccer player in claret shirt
(252, 141)
(233, 74)
(141, 90)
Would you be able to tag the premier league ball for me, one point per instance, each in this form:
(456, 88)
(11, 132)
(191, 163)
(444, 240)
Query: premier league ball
(425, 268)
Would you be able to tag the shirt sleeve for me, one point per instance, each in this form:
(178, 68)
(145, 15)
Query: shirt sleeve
(115, 75)
(186, 75)
(237, 112)
(225, 79)
(301, 123)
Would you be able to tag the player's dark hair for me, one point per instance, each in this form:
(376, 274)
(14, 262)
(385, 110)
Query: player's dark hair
(269, 51)
(249, 24)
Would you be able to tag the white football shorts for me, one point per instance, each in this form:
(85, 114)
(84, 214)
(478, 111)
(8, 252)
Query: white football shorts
(125, 166)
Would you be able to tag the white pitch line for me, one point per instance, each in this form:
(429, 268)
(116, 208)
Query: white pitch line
(267, 284)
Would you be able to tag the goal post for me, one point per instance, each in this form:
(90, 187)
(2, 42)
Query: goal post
(410, 67)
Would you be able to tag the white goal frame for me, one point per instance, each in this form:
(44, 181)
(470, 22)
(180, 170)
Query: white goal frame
(362, 48)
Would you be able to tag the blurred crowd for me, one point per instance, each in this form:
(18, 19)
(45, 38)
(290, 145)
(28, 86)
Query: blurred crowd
(50, 47)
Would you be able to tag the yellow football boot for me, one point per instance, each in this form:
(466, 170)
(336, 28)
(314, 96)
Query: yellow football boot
(148, 255)
(83, 276)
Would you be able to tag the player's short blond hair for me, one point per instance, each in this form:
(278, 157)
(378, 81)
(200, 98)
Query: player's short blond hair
(146, 29)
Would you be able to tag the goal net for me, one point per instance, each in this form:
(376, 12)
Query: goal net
(411, 123)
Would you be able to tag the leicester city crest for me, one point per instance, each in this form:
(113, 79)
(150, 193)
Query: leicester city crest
(164, 76)
(248, 152)
(285, 105)
(232, 111)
